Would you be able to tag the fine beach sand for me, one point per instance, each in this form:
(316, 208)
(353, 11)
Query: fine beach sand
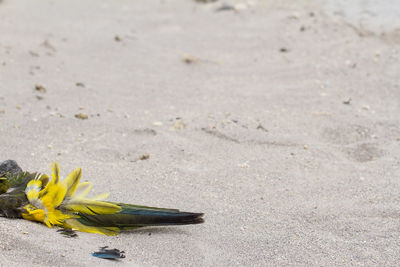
(277, 120)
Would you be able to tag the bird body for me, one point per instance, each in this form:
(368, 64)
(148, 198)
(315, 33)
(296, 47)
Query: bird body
(64, 203)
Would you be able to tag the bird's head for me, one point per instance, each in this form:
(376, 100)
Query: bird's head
(31, 213)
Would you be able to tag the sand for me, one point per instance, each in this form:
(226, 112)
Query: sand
(278, 120)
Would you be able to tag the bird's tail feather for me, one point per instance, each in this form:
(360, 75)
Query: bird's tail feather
(132, 216)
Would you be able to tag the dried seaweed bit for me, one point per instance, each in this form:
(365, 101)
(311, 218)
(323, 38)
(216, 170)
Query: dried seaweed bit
(260, 127)
(40, 88)
(69, 233)
(109, 254)
(81, 116)
(283, 50)
(79, 84)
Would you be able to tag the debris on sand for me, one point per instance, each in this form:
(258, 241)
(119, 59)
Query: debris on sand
(347, 102)
(157, 123)
(69, 233)
(142, 157)
(81, 116)
(48, 45)
(40, 88)
(109, 254)
(225, 7)
(188, 59)
(178, 125)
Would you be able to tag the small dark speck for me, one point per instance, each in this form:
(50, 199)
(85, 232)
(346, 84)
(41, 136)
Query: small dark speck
(79, 84)
(283, 50)
(347, 102)
(149, 234)
(144, 157)
(302, 28)
(117, 38)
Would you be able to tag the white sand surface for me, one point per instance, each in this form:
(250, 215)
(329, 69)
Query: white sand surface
(278, 120)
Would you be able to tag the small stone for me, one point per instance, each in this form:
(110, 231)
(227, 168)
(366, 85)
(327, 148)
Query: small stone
(40, 88)
(347, 102)
(157, 123)
(144, 157)
(18, 107)
(305, 146)
(117, 38)
(366, 107)
(188, 59)
(283, 50)
(79, 84)
(81, 116)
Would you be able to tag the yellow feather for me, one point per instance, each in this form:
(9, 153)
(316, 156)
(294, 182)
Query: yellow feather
(55, 169)
(82, 189)
(76, 225)
(91, 207)
(54, 196)
(56, 217)
(101, 196)
(72, 181)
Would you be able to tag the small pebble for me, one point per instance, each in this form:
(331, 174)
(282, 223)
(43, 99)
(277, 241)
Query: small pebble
(81, 116)
(40, 88)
